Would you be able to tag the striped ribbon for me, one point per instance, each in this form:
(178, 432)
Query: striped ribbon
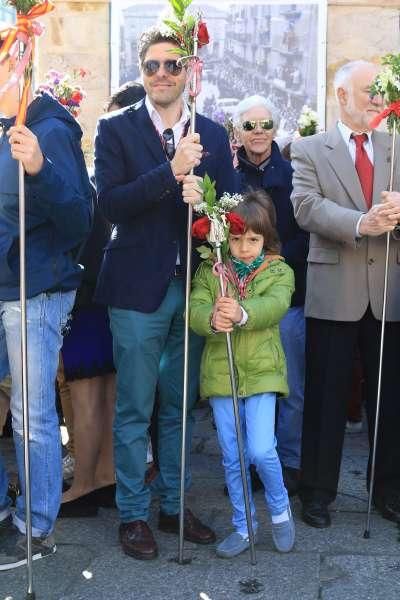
(25, 31)
(195, 69)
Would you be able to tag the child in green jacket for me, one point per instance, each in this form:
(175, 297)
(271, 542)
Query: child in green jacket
(259, 289)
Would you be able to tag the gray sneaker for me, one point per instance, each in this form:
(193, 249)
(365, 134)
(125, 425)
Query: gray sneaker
(232, 546)
(13, 549)
(283, 534)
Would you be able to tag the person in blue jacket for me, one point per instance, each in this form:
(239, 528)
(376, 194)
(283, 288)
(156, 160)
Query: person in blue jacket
(58, 217)
(143, 157)
(261, 165)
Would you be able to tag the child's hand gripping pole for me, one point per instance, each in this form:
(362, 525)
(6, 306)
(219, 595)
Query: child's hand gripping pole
(216, 237)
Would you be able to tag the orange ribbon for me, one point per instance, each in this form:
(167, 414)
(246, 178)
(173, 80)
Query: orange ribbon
(394, 107)
(25, 31)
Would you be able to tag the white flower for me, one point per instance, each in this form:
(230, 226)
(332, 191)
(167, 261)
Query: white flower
(385, 78)
(229, 201)
(201, 208)
(307, 117)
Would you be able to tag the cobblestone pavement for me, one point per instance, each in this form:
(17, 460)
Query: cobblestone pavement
(331, 564)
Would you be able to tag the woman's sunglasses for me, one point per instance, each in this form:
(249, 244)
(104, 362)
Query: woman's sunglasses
(263, 123)
(151, 67)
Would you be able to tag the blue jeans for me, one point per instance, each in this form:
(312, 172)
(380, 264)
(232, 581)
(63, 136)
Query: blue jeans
(290, 417)
(47, 314)
(148, 348)
(257, 415)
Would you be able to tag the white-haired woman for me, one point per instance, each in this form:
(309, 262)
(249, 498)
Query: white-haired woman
(261, 165)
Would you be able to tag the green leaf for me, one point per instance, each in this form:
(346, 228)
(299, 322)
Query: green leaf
(179, 51)
(204, 251)
(190, 23)
(22, 6)
(178, 8)
(172, 25)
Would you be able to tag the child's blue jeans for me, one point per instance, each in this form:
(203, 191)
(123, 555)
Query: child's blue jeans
(257, 415)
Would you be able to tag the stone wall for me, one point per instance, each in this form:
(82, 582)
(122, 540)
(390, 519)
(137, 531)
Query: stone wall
(78, 35)
(364, 29)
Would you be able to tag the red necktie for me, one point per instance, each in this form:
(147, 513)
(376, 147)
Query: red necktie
(364, 167)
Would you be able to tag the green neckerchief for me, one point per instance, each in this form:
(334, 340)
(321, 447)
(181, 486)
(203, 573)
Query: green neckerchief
(242, 269)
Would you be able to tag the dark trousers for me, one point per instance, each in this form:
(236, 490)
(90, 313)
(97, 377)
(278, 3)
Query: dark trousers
(330, 352)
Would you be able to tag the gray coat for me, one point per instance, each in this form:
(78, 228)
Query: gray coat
(345, 274)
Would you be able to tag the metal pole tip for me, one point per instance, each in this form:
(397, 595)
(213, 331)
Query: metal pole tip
(366, 535)
(30, 596)
(251, 586)
(182, 562)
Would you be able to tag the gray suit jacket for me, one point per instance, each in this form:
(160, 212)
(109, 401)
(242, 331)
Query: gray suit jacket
(344, 274)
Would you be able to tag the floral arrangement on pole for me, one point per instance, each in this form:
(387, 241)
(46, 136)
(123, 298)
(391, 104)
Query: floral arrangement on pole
(190, 32)
(218, 220)
(387, 85)
(307, 122)
(23, 34)
(62, 88)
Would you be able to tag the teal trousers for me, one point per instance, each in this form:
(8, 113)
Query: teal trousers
(148, 349)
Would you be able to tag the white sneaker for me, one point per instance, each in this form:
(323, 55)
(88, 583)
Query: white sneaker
(68, 466)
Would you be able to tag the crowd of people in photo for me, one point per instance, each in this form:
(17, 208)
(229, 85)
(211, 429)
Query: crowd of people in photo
(106, 276)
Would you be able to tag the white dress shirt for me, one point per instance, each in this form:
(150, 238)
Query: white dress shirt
(178, 128)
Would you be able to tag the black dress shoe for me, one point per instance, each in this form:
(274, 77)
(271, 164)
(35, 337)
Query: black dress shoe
(194, 530)
(316, 514)
(79, 507)
(389, 506)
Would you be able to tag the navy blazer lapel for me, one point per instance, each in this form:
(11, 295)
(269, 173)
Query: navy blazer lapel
(149, 134)
(341, 162)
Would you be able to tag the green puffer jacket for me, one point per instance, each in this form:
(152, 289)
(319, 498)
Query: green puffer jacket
(258, 352)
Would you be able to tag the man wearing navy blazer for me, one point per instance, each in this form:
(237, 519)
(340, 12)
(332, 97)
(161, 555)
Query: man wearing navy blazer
(142, 189)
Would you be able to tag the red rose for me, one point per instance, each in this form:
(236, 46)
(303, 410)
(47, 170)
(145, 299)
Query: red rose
(236, 224)
(200, 228)
(77, 96)
(203, 36)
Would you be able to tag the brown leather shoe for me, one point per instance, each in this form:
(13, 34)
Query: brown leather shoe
(194, 530)
(137, 540)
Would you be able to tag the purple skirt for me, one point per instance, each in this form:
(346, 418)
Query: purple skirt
(87, 347)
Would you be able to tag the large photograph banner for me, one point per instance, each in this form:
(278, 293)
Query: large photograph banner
(273, 48)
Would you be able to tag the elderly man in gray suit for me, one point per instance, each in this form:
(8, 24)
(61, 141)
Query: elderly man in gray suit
(339, 196)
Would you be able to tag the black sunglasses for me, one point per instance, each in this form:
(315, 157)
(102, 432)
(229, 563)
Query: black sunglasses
(263, 123)
(151, 67)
